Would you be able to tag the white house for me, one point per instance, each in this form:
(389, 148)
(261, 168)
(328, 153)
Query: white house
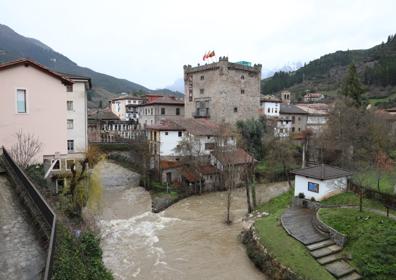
(77, 116)
(124, 107)
(270, 105)
(320, 181)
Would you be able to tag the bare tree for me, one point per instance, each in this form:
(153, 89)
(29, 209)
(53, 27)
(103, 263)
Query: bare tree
(282, 151)
(25, 149)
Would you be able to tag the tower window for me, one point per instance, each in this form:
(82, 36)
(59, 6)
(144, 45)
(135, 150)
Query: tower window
(201, 91)
(242, 91)
(202, 78)
(242, 77)
(235, 109)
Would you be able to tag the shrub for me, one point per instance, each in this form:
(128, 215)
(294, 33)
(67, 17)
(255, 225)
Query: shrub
(78, 258)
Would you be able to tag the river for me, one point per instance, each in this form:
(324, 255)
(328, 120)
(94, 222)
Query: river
(21, 256)
(189, 240)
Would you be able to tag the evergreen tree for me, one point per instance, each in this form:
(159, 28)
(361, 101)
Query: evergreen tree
(351, 86)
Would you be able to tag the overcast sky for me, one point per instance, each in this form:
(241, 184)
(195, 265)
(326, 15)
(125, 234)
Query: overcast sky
(149, 41)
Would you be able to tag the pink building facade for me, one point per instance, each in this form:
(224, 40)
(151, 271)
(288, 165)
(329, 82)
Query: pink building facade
(33, 100)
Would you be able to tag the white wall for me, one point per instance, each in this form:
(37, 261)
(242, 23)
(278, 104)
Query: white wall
(79, 116)
(273, 108)
(169, 142)
(326, 188)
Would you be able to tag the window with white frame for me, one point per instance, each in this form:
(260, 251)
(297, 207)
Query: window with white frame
(57, 165)
(70, 105)
(69, 164)
(21, 101)
(70, 145)
(70, 124)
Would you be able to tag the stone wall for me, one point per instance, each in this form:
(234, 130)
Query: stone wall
(264, 260)
(232, 91)
(339, 238)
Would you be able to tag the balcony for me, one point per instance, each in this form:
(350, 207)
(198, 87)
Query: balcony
(201, 113)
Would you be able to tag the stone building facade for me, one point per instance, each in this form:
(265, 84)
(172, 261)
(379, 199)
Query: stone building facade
(222, 91)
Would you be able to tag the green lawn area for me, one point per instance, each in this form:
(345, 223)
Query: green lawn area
(350, 198)
(371, 240)
(369, 179)
(286, 249)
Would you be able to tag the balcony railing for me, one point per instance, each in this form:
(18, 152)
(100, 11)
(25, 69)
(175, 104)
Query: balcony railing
(200, 114)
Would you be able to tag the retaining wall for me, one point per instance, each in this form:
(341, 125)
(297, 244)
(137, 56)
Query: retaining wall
(264, 260)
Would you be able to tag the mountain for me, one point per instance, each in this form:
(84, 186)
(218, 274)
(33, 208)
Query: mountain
(376, 67)
(289, 67)
(177, 85)
(14, 46)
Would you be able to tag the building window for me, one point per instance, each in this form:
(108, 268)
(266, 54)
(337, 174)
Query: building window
(70, 145)
(293, 129)
(57, 165)
(21, 101)
(313, 187)
(242, 77)
(190, 95)
(70, 105)
(59, 185)
(69, 88)
(166, 132)
(70, 124)
(177, 111)
(69, 164)
(209, 146)
(202, 78)
(242, 91)
(162, 111)
(235, 109)
(201, 91)
(269, 110)
(180, 134)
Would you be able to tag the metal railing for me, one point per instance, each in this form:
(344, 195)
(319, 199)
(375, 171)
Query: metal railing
(47, 213)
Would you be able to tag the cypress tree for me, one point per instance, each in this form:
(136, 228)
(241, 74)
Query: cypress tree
(351, 86)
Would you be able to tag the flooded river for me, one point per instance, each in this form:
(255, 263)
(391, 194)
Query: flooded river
(189, 240)
(21, 256)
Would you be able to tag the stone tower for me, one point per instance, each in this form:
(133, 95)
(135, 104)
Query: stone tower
(286, 97)
(222, 91)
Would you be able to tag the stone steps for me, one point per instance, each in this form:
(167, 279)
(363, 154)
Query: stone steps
(320, 244)
(325, 251)
(351, 276)
(329, 259)
(339, 268)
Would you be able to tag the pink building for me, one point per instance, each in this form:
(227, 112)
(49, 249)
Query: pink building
(34, 99)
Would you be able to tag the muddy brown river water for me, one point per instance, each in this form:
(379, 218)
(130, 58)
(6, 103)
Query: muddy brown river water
(189, 240)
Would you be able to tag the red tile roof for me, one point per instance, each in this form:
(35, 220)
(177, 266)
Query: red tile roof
(168, 164)
(234, 157)
(164, 100)
(27, 62)
(165, 125)
(207, 169)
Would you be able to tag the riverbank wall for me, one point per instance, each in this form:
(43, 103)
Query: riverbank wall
(263, 258)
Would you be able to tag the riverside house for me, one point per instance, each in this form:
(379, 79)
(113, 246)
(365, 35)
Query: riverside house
(49, 105)
(320, 181)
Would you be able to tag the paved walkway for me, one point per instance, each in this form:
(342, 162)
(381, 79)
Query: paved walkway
(298, 223)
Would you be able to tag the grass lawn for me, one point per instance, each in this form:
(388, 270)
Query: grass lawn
(369, 179)
(350, 198)
(371, 240)
(286, 249)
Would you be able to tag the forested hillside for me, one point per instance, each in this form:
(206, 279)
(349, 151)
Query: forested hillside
(376, 67)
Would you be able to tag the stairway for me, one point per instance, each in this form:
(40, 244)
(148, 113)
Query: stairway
(328, 254)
